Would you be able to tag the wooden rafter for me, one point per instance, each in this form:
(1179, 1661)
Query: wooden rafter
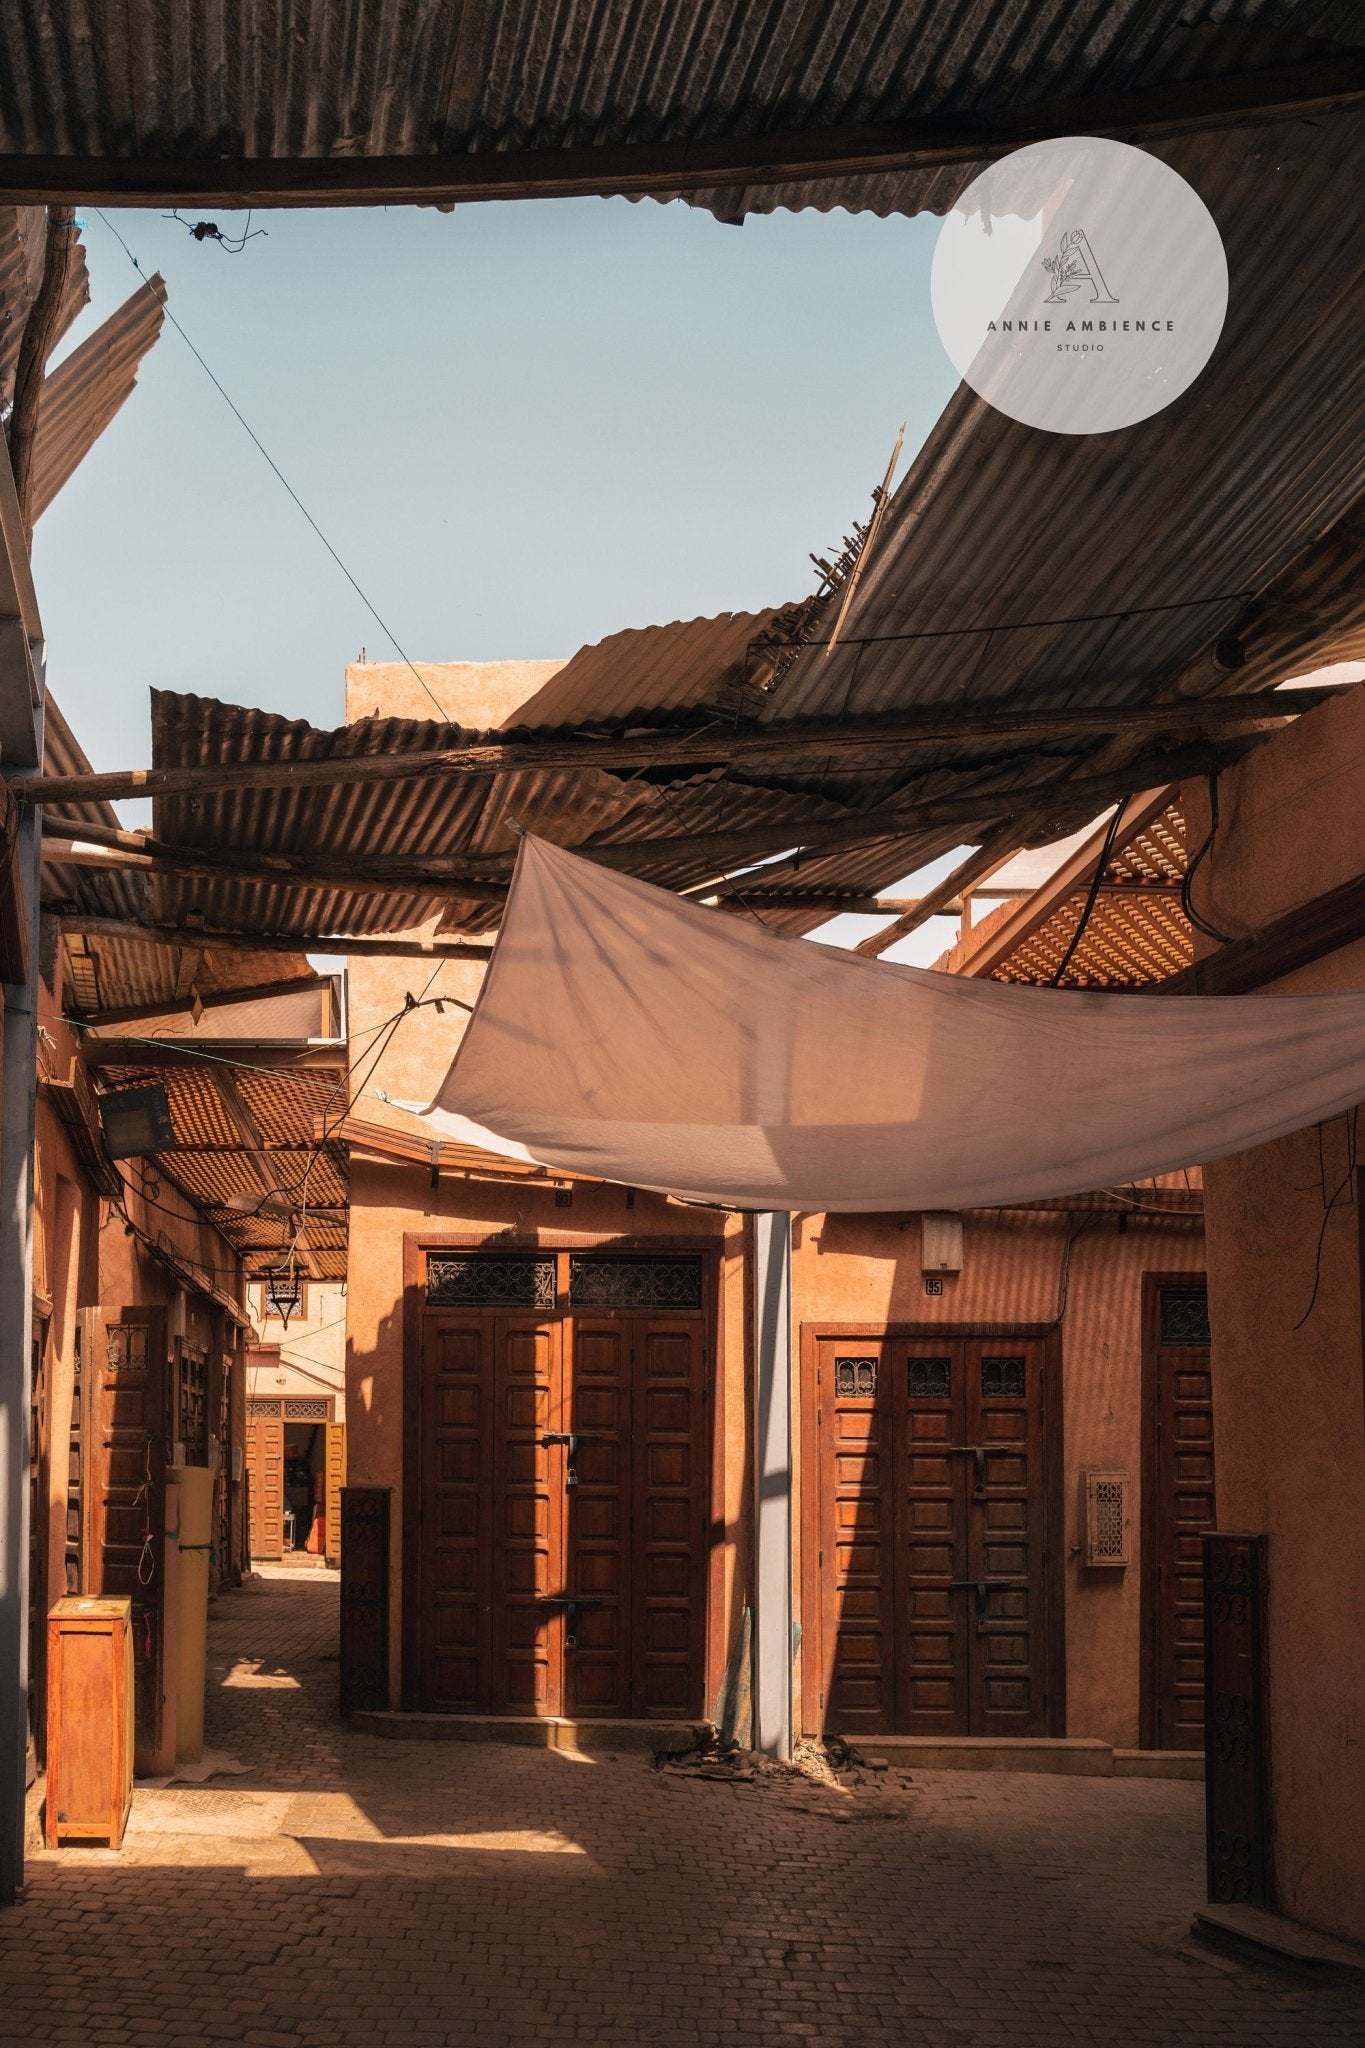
(675, 746)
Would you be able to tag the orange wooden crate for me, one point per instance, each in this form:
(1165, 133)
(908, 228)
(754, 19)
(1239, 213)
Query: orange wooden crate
(89, 1720)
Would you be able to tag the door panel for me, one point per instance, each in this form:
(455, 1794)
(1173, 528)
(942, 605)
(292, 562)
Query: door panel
(933, 1618)
(931, 1557)
(1181, 1478)
(1008, 1633)
(265, 1479)
(668, 1553)
(336, 1479)
(528, 1491)
(455, 1509)
(597, 1664)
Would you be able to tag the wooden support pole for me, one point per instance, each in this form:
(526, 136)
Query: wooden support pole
(668, 169)
(276, 942)
(774, 1612)
(997, 848)
(683, 747)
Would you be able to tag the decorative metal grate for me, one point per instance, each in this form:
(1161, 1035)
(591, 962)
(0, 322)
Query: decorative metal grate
(1109, 1518)
(194, 1405)
(635, 1283)
(489, 1280)
(307, 1411)
(931, 1379)
(126, 1350)
(1185, 1318)
(1003, 1378)
(257, 1409)
(855, 1379)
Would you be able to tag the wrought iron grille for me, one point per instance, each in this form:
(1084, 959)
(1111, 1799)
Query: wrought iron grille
(1003, 1378)
(1185, 1318)
(194, 1404)
(931, 1379)
(255, 1410)
(1107, 1537)
(307, 1411)
(126, 1350)
(855, 1379)
(489, 1280)
(635, 1283)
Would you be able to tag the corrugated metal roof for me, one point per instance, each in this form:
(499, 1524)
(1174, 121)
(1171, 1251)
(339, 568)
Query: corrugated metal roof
(83, 394)
(323, 78)
(23, 246)
(107, 973)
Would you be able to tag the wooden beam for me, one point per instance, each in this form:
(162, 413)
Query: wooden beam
(1283, 944)
(666, 170)
(686, 747)
(975, 811)
(382, 876)
(263, 1169)
(40, 335)
(315, 1062)
(996, 848)
(416, 1150)
(137, 1013)
(274, 942)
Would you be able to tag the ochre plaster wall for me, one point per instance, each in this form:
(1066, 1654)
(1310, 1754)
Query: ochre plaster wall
(1289, 1369)
(866, 1269)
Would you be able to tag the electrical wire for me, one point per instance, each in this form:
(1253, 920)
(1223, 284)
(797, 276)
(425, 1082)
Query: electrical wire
(1136, 611)
(1201, 924)
(1096, 879)
(1351, 1117)
(261, 448)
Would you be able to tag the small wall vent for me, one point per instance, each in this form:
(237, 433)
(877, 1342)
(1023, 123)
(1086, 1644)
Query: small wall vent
(1107, 1519)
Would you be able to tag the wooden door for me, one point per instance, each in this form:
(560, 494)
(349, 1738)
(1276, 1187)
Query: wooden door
(563, 1495)
(265, 1479)
(127, 1375)
(336, 1479)
(931, 1556)
(1177, 1507)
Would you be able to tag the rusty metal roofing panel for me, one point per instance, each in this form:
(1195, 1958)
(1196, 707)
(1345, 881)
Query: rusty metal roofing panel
(324, 78)
(23, 246)
(1013, 564)
(84, 393)
(690, 665)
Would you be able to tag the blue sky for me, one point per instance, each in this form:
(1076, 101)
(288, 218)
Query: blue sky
(521, 426)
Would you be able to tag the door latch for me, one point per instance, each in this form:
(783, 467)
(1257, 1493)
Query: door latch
(571, 1439)
(572, 1606)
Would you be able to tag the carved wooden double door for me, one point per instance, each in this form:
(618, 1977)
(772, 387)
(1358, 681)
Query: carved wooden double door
(931, 1572)
(562, 1475)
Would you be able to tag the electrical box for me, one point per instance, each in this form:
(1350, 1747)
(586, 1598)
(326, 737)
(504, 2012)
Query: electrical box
(1107, 1519)
(89, 1720)
(940, 1242)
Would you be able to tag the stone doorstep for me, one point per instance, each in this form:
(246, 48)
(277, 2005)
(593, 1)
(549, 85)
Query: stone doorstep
(1067, 1756)
(1249, 1932)
(1072, 1756)
(535, 1731)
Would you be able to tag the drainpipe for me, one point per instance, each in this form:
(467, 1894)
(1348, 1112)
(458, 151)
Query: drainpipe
(773, 1634)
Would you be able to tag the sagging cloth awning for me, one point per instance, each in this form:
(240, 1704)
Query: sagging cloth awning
(626, 1034)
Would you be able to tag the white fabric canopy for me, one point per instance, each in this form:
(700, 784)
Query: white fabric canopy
(626, 1034)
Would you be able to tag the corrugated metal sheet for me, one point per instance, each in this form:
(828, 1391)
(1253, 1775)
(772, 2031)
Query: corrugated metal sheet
(215, 1169)
(691, 665)
(23, 245)
(117, 973)
(324, 78)
(83, 394)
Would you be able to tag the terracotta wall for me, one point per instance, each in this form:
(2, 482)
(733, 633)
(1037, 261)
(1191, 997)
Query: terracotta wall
(866, 1269)
(1289, 1369)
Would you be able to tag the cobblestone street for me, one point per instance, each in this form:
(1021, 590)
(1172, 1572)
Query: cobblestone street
(349, 1892)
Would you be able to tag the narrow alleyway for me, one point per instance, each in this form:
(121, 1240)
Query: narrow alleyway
(348, 1892)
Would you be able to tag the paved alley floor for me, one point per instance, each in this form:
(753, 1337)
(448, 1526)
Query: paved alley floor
(349, 1892)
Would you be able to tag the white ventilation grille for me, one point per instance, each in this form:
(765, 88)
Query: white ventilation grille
(1107, 1519)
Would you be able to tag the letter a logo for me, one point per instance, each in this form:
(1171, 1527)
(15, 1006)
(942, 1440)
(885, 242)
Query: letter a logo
(1073, 267)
